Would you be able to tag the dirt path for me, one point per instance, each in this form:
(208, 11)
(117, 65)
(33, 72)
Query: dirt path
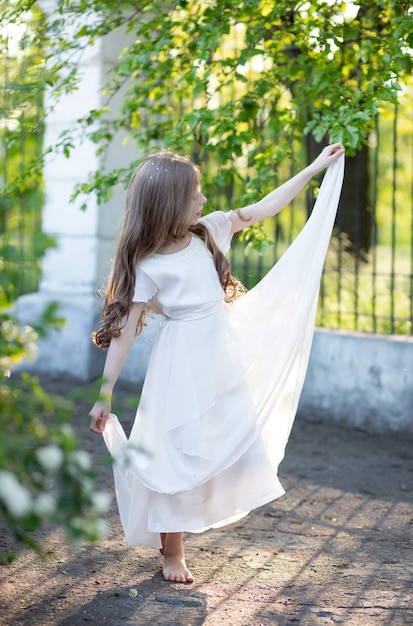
(337, 549)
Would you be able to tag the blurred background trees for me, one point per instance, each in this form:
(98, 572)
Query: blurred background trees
(45, 476)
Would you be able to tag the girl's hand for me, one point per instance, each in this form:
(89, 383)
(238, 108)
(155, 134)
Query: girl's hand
(326, 157)
(99, 415)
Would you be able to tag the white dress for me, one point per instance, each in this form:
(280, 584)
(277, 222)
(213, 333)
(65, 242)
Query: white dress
(223, 382)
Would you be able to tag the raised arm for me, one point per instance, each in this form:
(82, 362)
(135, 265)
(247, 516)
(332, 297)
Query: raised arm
(277, 199)
(117, 354)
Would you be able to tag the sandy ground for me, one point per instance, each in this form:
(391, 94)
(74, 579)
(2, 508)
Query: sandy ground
(336, 549)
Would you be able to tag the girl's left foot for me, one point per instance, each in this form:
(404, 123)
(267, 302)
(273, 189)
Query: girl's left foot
(174, 565)
(175, 570)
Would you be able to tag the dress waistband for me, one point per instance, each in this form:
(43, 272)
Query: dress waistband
(192, 314)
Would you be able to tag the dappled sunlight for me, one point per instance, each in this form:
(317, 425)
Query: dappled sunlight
(335, 549)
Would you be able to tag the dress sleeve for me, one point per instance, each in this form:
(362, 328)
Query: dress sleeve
(219, 225)
(145, 288)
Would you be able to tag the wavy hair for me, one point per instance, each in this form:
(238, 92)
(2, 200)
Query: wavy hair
(157, 211)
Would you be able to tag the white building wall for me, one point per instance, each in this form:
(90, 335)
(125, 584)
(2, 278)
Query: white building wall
(78, 265)
(365, 381)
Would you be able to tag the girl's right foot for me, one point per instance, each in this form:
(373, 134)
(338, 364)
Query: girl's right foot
(174, 565)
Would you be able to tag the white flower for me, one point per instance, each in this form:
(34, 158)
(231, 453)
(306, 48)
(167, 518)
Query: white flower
(45, 505)
(25, 336)
(30, 337)
(50, 457)
(133, 593)
(6, 365)
(101, 527)
(101, 501)
(67, 430)
(82, 459)
(16, 498)
(10, 329)
(88, 485)
(31, 352)
(29, 334)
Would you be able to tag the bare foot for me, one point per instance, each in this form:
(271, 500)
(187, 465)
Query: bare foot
(175, 570)
(174, 565)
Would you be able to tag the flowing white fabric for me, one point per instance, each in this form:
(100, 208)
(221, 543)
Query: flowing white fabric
(222, 385)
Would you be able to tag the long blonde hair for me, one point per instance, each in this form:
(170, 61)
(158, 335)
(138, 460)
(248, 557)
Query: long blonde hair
(158, 201)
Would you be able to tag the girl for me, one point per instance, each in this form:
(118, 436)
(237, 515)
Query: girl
(225, 374)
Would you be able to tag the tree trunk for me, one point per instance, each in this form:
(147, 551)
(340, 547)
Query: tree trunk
(354, 217)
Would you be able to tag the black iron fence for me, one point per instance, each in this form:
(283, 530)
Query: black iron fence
(367, 284)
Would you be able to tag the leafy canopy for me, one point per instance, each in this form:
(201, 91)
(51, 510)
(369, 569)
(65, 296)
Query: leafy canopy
(45, 476)
(235, 82)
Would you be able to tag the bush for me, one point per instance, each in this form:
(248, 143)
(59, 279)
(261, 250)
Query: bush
(45, 477)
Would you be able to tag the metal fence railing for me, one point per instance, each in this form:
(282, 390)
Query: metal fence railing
(373, 278)
(367, 284)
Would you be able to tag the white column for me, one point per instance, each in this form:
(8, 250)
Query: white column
(78, 265)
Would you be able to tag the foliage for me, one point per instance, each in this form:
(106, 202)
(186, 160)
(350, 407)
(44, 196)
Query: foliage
(45, 477)
(234, 82)
(21, 130)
